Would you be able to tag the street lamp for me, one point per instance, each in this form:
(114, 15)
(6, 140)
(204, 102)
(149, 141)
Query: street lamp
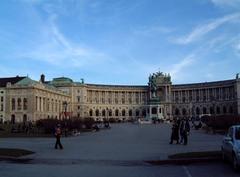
(191, 110)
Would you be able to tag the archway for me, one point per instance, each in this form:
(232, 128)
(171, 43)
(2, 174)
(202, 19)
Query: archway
(90, 113)
(12, 119)
(130, 112)
(103, 113)
(177, 111)
(116, 112)
(154, 110)
(24, 118)
(123, 112)
(184, 111)
(97, 112)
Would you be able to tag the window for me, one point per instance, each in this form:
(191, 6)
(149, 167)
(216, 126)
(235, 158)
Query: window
(176, 111)
(212, 110)
(123, 112)
(154, 110)
(103, 112)
(13, 104)
(184, 111)
(116, 112)
(130, 112)
(197, 111)
(137, 113)
(144, 112)
(25, 103)
(1, 98)
(218, 110)
(90, 113)
(224, 110)
(97, 112)
(110, 113)
(204, 110)
(19, 104)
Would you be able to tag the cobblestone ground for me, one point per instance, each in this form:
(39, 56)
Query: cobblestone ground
(123, 148)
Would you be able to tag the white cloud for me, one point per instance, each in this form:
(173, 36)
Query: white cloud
(177, 68)
(203, 29)
(152, 30)
(55, 48)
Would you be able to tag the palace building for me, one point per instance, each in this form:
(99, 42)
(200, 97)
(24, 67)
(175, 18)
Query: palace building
(23, 99)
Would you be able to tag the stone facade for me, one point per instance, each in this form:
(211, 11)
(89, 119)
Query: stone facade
(29, 100)
(160, 99)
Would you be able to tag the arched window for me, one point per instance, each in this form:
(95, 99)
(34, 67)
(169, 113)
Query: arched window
(160, 110)
(154, 110)
(25, 103)
(116, 112)
(204, 110)
(218, 110)
(130, 112)
(224, 110)
(90, 113)
(13, 104)
(110, 113)
(212, 110)
(19, 103)
(137, 112)
(144, 112)
(97, 112)
(184, 111)
(197, 111)
(103, 113)
(230, 109)
(123, 112)
(24, 118)
(176, 111)
(12, 119)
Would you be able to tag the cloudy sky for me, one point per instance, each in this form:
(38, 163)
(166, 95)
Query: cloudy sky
(120, 41)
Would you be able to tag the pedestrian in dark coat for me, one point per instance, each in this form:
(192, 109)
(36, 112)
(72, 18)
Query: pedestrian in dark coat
(184, 130)
(175, 132)
(58, 134)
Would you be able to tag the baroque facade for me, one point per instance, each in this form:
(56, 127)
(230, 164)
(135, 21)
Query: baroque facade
(24, 99)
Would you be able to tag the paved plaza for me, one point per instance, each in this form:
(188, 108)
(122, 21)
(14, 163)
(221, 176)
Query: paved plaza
(119, 151)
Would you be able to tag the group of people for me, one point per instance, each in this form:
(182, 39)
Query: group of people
(180, 131)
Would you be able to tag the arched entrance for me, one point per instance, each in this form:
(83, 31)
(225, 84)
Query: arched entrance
(12, 119)
(24, 118)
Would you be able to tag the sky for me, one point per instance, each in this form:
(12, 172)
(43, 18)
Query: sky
(120, 41)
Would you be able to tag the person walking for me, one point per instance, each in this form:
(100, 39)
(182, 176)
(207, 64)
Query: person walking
(175, 132)
(181, 131)
(184, 130)
(58, 134)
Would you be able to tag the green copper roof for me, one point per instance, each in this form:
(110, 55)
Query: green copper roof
(26, 81)
(61, 81)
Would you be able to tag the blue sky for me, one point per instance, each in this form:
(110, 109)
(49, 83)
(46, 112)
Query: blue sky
(120, 42)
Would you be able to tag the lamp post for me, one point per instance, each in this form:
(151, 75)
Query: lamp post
(191, 110)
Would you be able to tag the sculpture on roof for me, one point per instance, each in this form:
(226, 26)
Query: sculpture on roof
(153, 84)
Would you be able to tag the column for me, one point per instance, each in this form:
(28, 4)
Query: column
(165, 93)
